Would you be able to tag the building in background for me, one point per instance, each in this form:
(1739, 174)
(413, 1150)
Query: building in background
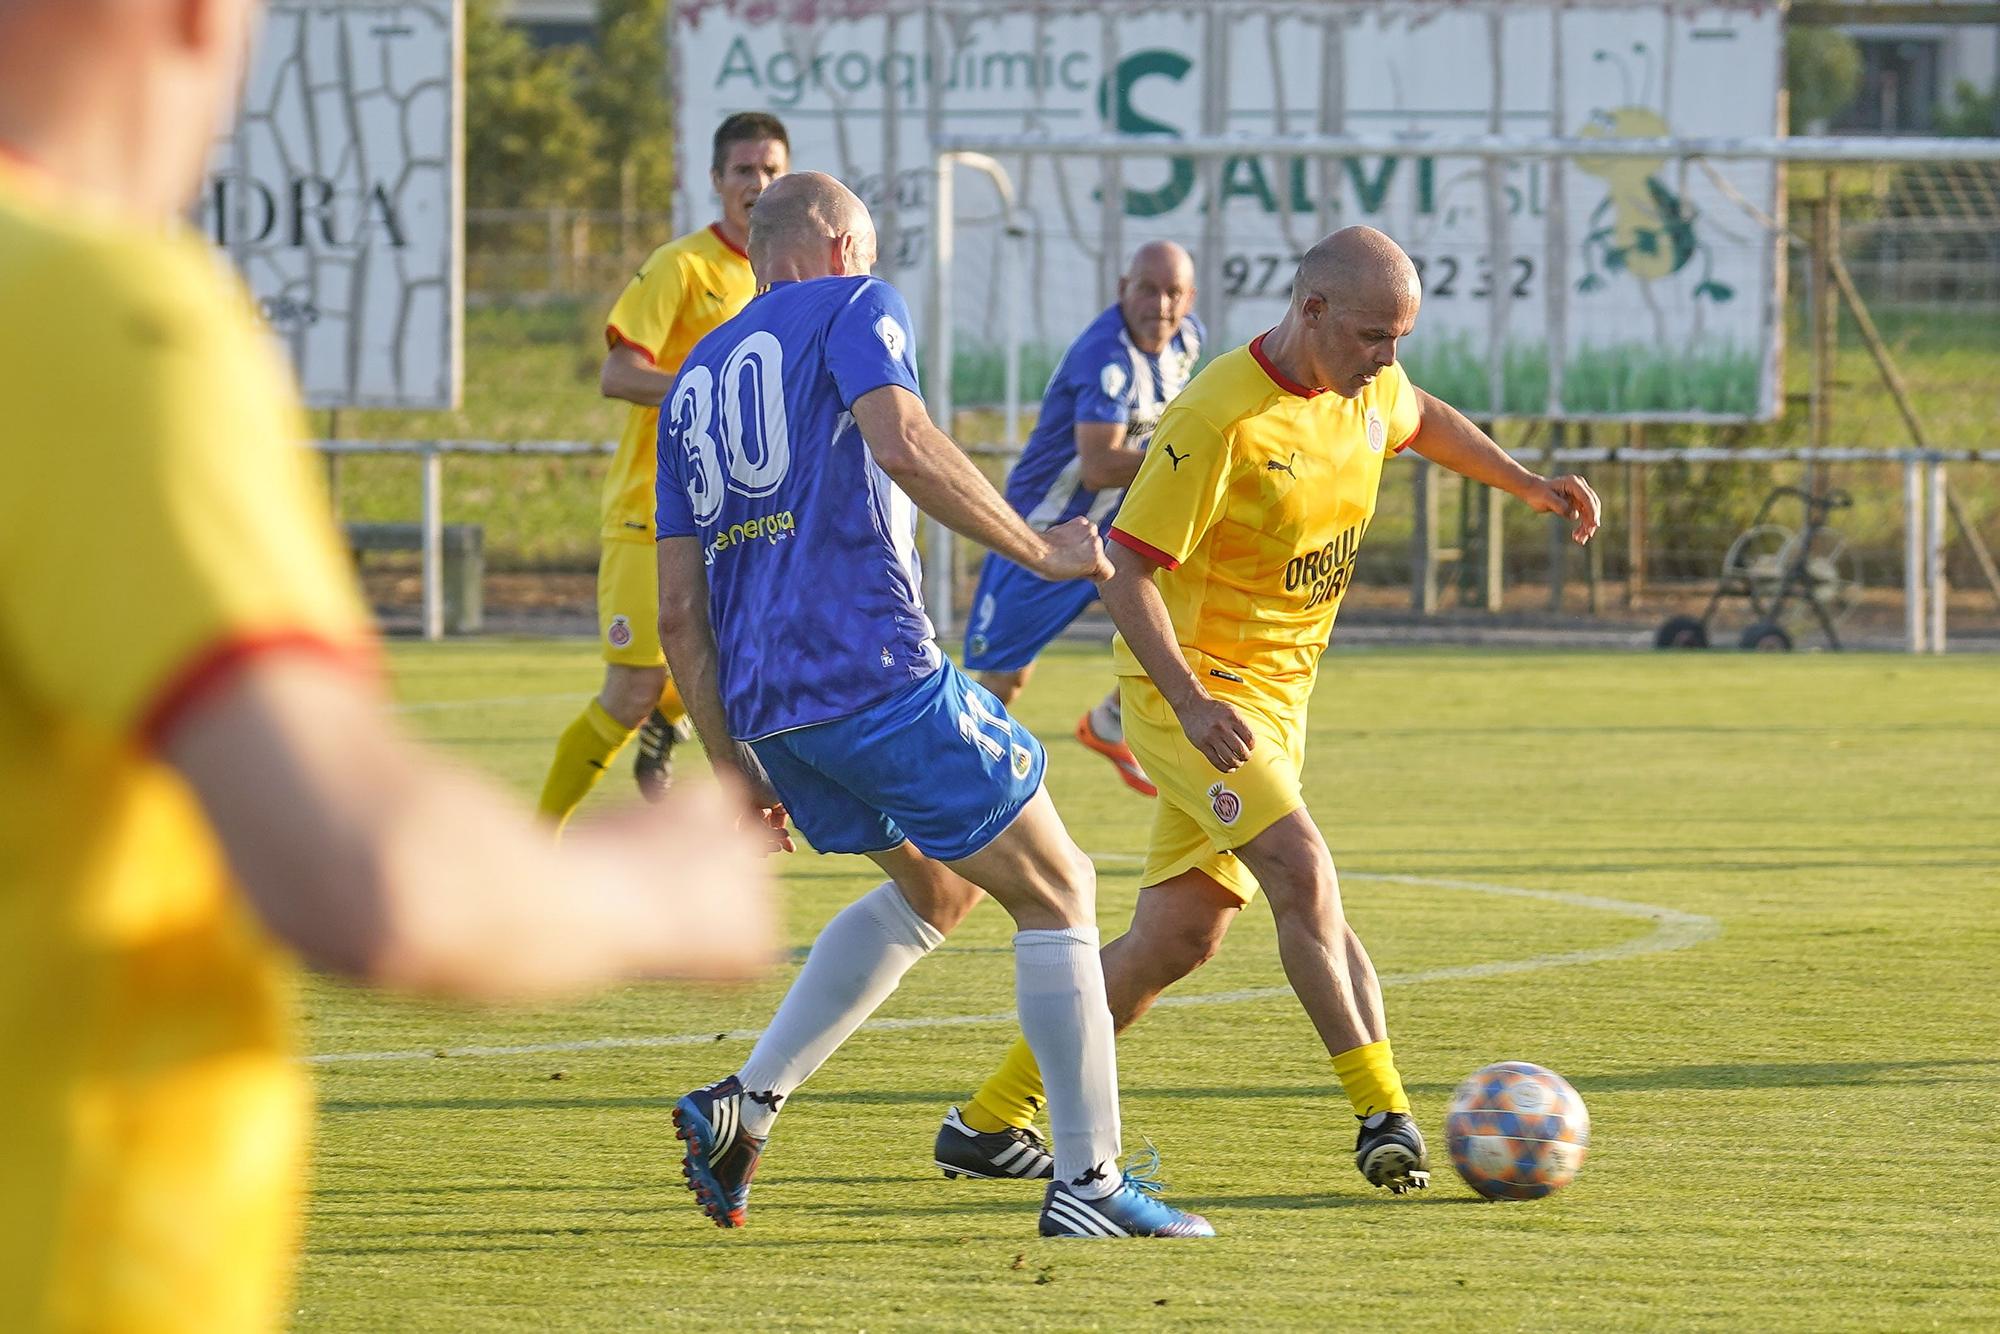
(554, 22)
(1910, 71)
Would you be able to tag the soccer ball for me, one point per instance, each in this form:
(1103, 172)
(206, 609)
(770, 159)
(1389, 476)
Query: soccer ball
(1516, 1131)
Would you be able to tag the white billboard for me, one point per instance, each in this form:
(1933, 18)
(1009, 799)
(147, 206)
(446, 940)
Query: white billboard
(337, 195)
(1628, 288)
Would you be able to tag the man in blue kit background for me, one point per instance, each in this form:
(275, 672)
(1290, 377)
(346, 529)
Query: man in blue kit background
(1097, 414)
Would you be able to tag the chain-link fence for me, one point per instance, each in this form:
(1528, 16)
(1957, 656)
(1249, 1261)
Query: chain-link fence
(1890, 318)
(1819, 547)
(542, 256)
(1925, 233)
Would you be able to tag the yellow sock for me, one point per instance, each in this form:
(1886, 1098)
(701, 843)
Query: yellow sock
(1011, 1097)
(1369, 1076)
(586, 749)
(671, 707)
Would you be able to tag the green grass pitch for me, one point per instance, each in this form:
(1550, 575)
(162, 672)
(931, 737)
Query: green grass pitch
(1794, 1118)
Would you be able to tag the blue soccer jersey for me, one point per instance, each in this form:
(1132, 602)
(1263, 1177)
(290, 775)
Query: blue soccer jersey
(814, 586)
(1102, 378)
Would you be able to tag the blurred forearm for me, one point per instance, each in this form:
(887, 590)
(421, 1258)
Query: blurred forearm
(375, 861)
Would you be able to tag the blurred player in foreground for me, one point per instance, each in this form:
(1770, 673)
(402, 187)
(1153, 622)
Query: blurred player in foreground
(200, 782)
(1233, 550)
(686, 288)
(1100, 407)
(795, 452)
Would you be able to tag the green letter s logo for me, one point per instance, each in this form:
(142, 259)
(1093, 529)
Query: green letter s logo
(1114, 102)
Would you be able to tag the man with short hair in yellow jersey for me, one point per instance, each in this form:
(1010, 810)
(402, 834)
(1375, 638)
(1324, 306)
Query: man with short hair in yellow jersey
(1232, 552)
(200, 783)
(685, 289)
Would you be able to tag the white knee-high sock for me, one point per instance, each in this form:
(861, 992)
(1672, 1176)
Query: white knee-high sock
(1059, 983)
(857, 961)
(1107, 717)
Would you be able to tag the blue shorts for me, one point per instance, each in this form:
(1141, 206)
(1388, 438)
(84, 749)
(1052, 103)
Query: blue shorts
(1015, 613)
(940, 764)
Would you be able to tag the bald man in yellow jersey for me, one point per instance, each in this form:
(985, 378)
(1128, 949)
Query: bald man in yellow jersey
(686, 288)
(1232, 552)
(199, 784)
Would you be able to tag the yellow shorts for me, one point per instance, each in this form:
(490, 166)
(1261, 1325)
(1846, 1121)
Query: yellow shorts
(628, 604)
(1202, 813)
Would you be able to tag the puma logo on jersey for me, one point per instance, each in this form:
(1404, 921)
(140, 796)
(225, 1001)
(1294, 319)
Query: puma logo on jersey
(1272, 465)
(1173, 458)
(716, 297)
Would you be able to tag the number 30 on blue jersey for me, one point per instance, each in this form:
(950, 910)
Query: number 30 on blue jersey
(814, 583)
(755, 445)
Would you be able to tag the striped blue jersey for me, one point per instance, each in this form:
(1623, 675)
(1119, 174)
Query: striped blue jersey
(1102, 378)
(814, 586)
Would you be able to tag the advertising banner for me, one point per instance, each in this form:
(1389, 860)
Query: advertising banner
(1579, 287)
(337, 195)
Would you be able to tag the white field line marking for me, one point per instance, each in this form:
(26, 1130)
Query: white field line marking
(1672, 930)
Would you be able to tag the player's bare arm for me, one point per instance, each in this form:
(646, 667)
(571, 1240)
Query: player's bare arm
(936, 474)
(1447, 438)
(1107, 461)
(1212, 726)
(689, 640)
(376, 862)
(630, 375)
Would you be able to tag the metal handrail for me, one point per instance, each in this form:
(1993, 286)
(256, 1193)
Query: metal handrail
(1923, 471)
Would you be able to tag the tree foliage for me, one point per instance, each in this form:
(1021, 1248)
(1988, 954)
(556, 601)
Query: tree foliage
(1971, 113)
(528, 140)
(625, 92)
(1822, 73)
(578, 126)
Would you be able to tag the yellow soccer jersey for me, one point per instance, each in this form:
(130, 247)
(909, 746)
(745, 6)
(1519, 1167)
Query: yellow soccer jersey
(160, 523)
(682, 292)
(1254, 496)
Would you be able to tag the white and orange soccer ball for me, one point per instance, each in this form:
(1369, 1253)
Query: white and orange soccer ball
(1516, 1131)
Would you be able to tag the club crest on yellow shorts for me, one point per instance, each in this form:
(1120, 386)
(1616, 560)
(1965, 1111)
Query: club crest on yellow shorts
(1201, 816)
(628, 599)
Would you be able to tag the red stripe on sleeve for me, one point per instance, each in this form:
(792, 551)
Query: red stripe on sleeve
(615, 337)
(1146, 549)
(10, 153)
(218, 665)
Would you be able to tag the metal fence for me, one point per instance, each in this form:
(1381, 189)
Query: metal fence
(1905, 563)
(539, 255)
(1891, 319)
